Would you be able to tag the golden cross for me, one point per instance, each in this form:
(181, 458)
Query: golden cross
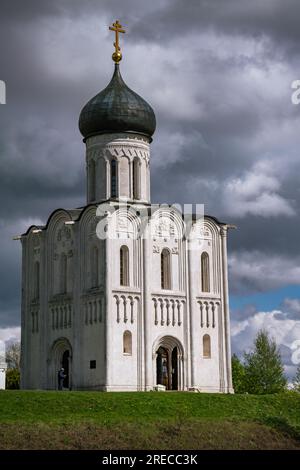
(117, 28)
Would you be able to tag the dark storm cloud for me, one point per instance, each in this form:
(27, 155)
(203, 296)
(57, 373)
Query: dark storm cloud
(276, 18)
(218, 75)
(31, 10)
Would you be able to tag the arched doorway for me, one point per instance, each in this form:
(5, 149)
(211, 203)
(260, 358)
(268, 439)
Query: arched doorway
(175, 369)
(65, 364)
(60, 356)
(168, 366)
(162, 367)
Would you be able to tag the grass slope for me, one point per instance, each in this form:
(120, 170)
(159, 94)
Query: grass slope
(174, 420)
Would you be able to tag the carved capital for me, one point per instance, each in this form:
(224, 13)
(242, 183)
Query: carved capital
(223, 231)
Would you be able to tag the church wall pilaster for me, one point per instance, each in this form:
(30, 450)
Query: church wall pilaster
(77, 360)
(226, 308)
(24, 309)
(147, 309)
(44, 322)
(108, 322)
(192, 316)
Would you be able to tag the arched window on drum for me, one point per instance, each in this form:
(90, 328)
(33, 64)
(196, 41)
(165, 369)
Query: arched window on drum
(136, 179)
(114, 178)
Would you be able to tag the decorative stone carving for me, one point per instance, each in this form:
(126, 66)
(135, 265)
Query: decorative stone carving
(168, 311)
(63, 233)
(125, 307)
(208, 313)
(123, 224)
(130, 150)
(204, 232)
(164, 228)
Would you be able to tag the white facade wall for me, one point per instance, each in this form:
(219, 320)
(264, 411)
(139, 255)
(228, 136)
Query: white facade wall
(89, 316)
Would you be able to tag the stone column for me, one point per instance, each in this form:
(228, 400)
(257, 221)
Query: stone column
(25, 328)
(108, 188)
(148, 188)
(76, 359)
(131, 195)
(226, 308)
(147, 309)
(108, 310)
(43, 312)
(191, 305)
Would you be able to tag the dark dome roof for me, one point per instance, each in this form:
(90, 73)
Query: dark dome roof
(117, 109)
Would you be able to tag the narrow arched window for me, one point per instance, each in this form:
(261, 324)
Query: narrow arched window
(136, 176)
(127, 343)
(63, 273)
(165, 269)
(124, 266)
(205, 276)
(113, 178)
(36, 287)
(206, 347)
(92, 181)
(95, 266)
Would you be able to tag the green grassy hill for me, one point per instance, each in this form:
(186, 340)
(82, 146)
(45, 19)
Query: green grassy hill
(172, 420)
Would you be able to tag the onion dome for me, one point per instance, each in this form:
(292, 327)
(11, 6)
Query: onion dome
(117, 108)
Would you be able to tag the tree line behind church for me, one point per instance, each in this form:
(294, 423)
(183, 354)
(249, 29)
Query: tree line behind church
(261, 371)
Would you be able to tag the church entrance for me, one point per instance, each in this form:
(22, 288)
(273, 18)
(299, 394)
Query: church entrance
(169, 364)
(65, 365)
(162, 368)
(167, 368)
(60, 356)
(174, 369)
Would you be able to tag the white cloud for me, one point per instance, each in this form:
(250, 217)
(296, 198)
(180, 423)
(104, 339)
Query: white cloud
(256, 192)
(285, 331)
(10, 334)
(292, 305)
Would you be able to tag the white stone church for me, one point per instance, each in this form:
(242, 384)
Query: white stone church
(117, 292)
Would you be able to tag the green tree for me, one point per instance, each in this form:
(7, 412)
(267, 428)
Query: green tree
(13, 353)
(263, 366)
(238, 374)
(296, 381)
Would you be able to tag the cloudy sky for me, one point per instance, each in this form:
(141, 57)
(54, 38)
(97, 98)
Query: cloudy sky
(218, 75)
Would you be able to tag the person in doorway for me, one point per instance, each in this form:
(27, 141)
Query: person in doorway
(61, 378)
(165, 373)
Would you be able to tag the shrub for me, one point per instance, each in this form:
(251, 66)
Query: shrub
(12, 379)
